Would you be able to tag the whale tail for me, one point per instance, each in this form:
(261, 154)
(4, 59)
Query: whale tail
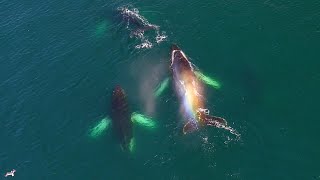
(207, 80)
(215, 121)
(221, 123)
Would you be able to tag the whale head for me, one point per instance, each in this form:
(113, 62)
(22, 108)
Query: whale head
(174, 47)
(118, 91)
(179, 61)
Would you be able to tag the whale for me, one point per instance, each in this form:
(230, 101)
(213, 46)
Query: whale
(114, 20)
(122, 121)
(133, 17)
(121, 117)
(189, 90)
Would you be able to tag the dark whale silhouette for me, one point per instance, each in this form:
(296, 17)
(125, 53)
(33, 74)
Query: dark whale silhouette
(121, 117)
(122, 120)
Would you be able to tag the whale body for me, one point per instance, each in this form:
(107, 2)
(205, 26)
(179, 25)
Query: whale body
(121, 117)
(190, 93)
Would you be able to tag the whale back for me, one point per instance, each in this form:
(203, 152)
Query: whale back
(179, 61)
(120, 115)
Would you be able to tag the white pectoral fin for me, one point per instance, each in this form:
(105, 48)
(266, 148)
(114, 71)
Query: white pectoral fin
(101, 126)
(207, 80)
(162, 87)
(143, 120)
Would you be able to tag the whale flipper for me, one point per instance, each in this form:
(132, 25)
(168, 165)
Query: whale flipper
(102, 126)
(162, 87)
(221, 123)
(207, 80)
(143, 120)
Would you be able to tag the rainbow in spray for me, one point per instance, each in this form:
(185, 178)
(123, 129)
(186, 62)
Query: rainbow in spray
(190, 93)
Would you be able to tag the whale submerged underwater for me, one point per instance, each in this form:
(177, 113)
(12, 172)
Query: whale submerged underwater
(122, 121)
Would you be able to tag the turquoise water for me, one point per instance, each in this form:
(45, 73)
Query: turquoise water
(61, 59)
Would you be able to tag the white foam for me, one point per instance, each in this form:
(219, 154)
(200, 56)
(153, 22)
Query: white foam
(220, 125)
(160, 37)
(145, 44)
(139, 33)
(206, 111)
(230, 129)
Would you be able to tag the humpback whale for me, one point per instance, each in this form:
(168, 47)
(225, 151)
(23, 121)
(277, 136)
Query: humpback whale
(121, 117)
(190, 93)
(133, 17)
(140, 28)
(122, 121)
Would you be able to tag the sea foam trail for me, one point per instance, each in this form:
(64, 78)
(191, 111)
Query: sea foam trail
(139, 25)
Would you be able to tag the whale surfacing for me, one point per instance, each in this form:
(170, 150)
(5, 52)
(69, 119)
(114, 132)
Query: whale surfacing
(190, 92)
(121, 117)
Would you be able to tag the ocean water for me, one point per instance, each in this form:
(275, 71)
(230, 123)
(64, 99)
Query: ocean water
(59, 61)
